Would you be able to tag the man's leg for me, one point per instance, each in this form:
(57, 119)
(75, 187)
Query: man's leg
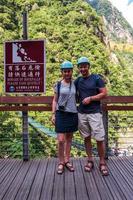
(101, 151)
(85, 130)
(102, 163)
(88, 147)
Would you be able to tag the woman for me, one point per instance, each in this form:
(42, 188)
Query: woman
(64, 115)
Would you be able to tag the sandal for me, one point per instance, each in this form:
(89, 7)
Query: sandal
(60, 169)
(89, 166)
(103, 169)
(69, 166)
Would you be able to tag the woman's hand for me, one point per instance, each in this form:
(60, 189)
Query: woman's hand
(53, 118)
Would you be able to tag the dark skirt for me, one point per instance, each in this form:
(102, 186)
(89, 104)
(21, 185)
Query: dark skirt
(66, 122)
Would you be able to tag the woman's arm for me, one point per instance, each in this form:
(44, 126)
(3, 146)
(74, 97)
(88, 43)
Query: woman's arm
(54, 103)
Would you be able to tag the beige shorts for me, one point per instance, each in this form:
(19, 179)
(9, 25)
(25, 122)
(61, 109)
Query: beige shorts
(91, 124)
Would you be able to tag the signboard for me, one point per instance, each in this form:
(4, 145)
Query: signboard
(25, 66)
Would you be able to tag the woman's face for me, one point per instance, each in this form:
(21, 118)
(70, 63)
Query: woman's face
(67, 74)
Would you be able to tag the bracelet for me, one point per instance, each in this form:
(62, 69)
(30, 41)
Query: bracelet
(53, 113)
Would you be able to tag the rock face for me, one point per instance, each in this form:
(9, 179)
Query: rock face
(116, 31)
(117, 27)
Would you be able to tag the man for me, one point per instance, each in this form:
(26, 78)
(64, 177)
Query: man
(91, 89)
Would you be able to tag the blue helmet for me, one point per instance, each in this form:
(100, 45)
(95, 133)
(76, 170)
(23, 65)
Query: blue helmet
(83, 60)
(66, 65)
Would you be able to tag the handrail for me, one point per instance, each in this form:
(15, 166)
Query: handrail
(26, 100)
(48, 99)
(115, 100)
(25, 103)
(118, 99)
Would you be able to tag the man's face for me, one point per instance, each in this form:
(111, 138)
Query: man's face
(84, 69)
(67, 73)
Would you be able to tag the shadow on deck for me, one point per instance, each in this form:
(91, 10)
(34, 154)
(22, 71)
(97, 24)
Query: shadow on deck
(38, 180)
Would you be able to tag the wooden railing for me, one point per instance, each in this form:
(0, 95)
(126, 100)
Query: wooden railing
(25, 103)
(43, 103)
(111, 103)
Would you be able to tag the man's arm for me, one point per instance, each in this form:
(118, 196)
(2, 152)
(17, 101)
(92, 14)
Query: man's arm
(102, 94)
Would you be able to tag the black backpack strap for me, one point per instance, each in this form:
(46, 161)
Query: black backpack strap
(58, 89)
(77, 82)
(76, 85)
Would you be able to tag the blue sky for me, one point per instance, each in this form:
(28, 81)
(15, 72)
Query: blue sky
(130, 1)
(126, 7)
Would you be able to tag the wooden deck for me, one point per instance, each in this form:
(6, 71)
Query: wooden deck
(38, 180)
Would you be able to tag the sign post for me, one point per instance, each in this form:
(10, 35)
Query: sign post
(25, 66)
(25, 73)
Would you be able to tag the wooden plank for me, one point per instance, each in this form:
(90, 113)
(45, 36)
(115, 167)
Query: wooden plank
(7, 169)
(58, 187)
(48, 99)
(26, 100)
(80, 187)
(104, 191)
(125, 162)
(113, 187)
(49, 108)
(9, 179)
(127, 174)
(89, 179)
(25, 108)
(25, 188)
(47, 187)
(17, 181)
(118, 99)
(36, 188)
(69, 185)
(123, 107)
(129, 160)
(3, 163)
(120, 180)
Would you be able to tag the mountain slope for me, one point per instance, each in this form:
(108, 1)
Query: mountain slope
(117, 27)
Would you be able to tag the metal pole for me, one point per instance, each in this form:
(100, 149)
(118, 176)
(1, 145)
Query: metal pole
(25, 136)
(105, 123)
(25, 29)
(25, 113)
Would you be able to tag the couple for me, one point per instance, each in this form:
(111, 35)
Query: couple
(88, 119)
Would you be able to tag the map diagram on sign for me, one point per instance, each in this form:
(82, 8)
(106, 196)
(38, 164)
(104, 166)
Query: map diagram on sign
(20, 54)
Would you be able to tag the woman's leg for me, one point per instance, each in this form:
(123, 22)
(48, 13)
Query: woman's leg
(68, 142)
(61, 144)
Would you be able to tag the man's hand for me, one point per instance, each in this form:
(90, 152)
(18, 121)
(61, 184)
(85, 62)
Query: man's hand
(86, 100)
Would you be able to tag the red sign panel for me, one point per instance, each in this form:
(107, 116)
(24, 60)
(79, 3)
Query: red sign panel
(25, 66)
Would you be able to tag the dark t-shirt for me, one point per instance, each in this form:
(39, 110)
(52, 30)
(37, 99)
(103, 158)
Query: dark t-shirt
(87, 87)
